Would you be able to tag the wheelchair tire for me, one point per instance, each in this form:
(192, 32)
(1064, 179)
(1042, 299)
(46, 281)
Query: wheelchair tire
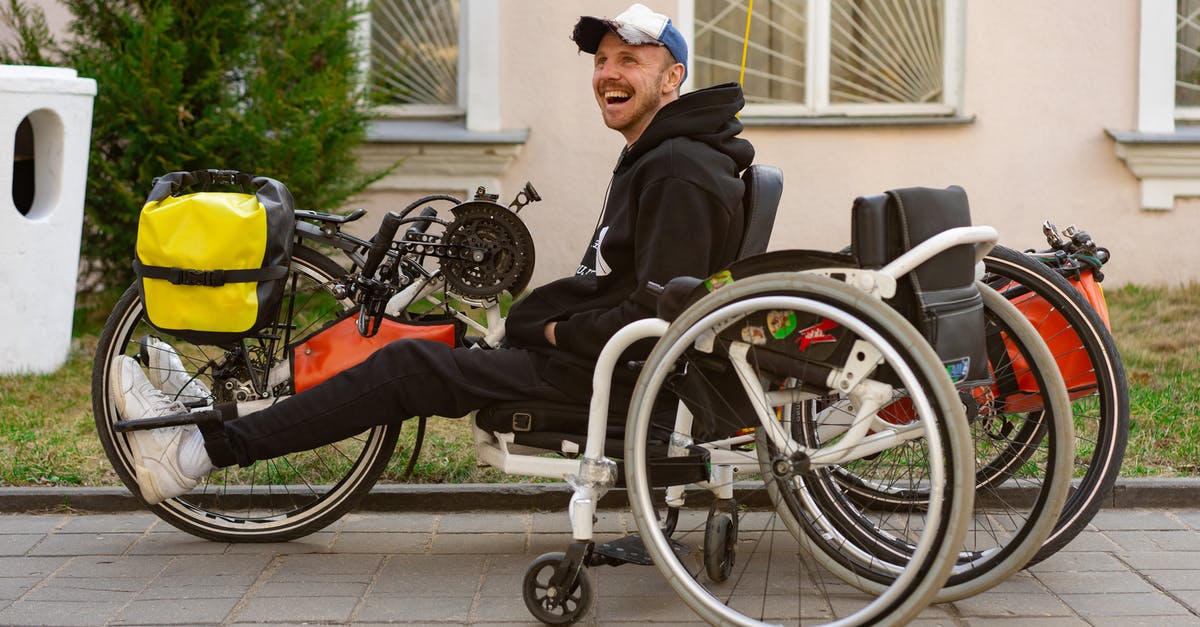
(720, 546)
(1022, 477)
(1101, 416)
(268, 501)
(545, 604)
(813, 567)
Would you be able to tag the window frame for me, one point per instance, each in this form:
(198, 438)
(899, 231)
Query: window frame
(817, 70)
(478, 69)
(1165, 159)
(1181, 113)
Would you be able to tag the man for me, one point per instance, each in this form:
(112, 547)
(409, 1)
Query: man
(673, 209)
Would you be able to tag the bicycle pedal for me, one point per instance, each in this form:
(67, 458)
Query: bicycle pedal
(169, 420)
(631, 550)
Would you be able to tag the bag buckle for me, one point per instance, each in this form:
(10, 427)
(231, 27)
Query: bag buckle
(208, 278)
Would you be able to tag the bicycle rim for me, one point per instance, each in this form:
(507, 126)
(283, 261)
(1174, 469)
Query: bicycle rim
(268, 501)
(1099, 390)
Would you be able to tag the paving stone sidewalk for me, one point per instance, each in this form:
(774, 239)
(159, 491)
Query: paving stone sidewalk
(1132, 567)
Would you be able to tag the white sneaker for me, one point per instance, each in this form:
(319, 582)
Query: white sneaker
(155, 451)
(168, 374)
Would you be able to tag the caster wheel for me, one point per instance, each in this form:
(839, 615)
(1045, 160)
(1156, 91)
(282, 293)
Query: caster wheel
(550, 604)
(720, 546)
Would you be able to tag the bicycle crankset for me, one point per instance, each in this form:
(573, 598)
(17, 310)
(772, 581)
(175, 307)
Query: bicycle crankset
(508, 259)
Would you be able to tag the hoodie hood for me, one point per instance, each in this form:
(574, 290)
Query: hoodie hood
(707, 116)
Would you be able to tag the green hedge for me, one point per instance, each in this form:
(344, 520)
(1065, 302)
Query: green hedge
(263, 86)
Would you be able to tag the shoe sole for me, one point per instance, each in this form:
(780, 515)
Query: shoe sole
(151, 492)
(116, 391)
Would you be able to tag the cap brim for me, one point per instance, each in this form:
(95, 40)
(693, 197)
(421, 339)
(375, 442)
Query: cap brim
(588, 33)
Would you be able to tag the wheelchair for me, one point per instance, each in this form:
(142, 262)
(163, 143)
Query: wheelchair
(836, 460)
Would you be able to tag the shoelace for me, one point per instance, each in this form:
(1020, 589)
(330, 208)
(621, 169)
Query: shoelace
(178, 378)
(160, 405)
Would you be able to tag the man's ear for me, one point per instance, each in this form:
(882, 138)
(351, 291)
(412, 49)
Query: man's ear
(673, 78)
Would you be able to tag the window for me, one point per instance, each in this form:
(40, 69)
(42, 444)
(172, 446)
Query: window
(415, 55)
(433, 77)
(434, 59)
(834, 57)
(1187, 60)
(1162, 151)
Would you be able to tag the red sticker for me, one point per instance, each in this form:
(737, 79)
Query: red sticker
(816, 334)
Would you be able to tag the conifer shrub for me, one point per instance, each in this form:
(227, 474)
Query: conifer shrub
(269, 87)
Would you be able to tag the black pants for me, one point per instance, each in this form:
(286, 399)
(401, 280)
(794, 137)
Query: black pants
(404, 379)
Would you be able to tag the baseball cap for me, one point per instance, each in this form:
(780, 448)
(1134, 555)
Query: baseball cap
(637, 25)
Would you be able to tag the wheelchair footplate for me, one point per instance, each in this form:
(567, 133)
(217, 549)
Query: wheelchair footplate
(631, 550)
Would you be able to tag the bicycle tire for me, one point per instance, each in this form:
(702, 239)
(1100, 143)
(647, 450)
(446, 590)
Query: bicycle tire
(268, 501)
(1101, 417)
(1022, 477)
(810, 297)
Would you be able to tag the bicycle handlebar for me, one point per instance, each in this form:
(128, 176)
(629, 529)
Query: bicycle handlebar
(422, 225)
(381, 242)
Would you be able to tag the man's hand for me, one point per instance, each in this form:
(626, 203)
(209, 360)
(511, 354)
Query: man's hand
(548, 330)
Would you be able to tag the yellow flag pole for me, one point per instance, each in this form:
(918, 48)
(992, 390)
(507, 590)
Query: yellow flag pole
(745, 47)
(746, 43)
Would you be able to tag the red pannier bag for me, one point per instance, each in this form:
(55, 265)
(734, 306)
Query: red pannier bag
(339, 346)
(1064, 342)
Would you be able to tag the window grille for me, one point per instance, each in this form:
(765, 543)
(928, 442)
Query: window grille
(828, 56)
(886, 51)
(1187, 54)
(414, 52)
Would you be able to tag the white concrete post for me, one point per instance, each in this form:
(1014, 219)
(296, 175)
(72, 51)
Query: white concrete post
(39, 240)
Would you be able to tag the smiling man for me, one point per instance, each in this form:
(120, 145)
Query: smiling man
(673, 209)
(639, 64)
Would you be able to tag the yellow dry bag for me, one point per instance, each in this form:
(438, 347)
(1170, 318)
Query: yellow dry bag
(211, 265)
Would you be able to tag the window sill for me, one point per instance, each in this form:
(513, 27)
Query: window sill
(426, 131)
(856, 122)
(438, 154)
(1167, 164)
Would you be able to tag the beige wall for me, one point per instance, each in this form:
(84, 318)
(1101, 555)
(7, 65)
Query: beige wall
(1043, 81)
(546, 87)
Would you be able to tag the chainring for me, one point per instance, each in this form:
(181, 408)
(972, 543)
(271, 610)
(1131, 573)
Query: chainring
(508, 251)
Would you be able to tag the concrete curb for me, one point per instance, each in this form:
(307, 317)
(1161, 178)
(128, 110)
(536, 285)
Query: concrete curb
(1128, 493)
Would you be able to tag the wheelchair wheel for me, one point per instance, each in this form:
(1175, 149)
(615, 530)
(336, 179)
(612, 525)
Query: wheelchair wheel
(547, 602)
(1022, 441)
(720, 544)
(269, 501)
(716, 359)
(1097, 384)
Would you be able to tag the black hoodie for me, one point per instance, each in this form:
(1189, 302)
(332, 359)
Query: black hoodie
(673, 209)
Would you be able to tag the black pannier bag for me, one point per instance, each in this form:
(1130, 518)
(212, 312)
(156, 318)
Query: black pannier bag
(211, 265)
(939, 297)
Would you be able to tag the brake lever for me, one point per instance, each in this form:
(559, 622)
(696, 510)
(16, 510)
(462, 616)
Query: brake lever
(1052, 237)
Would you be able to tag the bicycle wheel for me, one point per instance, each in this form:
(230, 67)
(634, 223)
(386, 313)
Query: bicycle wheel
(268, 501)
(1023, 446)
(787, 572)
(1094, 375)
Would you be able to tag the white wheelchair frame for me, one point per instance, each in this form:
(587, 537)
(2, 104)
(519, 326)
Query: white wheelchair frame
(591, 475)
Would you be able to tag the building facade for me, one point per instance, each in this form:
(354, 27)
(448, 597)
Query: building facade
(1072, 111)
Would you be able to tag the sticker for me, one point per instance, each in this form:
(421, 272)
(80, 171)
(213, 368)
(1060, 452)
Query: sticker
(719, 280)
(781, 323)
(754, 335)
(958, 368)
(817, 334)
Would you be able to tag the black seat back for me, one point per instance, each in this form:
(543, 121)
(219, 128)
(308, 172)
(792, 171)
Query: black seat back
(764, 186)
(939, 297)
